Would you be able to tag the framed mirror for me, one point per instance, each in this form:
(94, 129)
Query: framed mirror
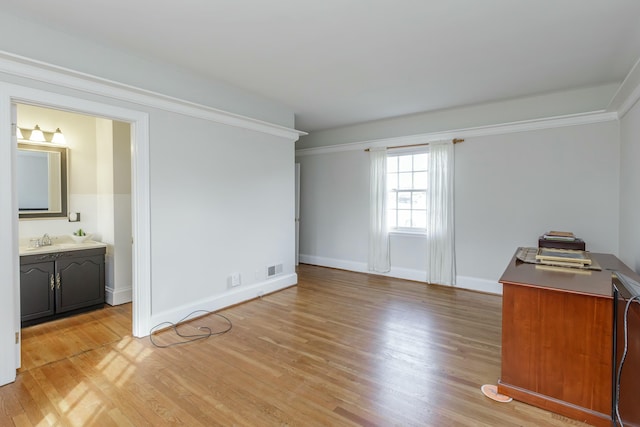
(41, 175)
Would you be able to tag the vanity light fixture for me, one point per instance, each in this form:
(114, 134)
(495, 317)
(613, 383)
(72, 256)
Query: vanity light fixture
(37, 135)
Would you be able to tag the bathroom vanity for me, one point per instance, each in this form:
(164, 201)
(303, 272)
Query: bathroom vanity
(60, 280)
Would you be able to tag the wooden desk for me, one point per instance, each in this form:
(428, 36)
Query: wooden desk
(557, 338)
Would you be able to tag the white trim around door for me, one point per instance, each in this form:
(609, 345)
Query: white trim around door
(9, 260)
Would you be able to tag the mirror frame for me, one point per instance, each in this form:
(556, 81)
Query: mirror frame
(64, 182)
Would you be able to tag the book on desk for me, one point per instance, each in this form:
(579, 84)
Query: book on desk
(561, 240)
(565, 257)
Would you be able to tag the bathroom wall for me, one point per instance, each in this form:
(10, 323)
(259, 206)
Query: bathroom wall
(113, 140)
(80, 134)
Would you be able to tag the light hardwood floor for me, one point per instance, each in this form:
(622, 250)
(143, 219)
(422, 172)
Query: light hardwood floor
(339, 349)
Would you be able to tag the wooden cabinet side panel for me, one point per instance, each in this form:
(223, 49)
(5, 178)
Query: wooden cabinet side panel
(520, 336)
(558, 344)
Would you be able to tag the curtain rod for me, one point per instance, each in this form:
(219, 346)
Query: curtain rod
(455, 141)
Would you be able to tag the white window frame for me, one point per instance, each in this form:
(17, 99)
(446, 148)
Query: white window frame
(391, 210)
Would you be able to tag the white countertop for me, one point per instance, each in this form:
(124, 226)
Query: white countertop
(59, 244)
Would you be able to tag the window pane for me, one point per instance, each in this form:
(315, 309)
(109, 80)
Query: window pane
(392, 181)
(392, 164)
(421, 162)
(420, 180)
(407, 183)
(404, 200)
(419, 219)
(405, 163)
(419, 200)
(405, 180)
(404, 219)
(391, 200)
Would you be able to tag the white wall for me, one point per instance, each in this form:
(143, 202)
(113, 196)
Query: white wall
(114, 226)
(508, 192)
(222, 202)
(512, 188)
(630, 188)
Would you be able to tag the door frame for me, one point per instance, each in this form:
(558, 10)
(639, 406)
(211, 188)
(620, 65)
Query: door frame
(141, 227)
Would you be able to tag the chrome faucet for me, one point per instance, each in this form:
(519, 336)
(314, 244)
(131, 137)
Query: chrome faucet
(45, 240)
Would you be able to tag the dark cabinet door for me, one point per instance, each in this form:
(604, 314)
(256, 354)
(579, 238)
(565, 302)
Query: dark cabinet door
(79, 282)
(37, 283)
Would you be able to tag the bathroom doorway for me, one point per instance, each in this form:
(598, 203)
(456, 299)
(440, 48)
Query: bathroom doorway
(98, 183)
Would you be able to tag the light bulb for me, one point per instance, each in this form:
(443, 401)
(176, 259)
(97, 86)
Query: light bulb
(37, 135)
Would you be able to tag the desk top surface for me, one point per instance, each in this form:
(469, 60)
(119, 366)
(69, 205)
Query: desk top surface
(588, 282)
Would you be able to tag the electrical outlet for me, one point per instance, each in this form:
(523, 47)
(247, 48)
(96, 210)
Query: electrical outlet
(235, 279)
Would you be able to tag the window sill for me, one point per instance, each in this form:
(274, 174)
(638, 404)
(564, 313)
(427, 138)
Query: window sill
(408, 233)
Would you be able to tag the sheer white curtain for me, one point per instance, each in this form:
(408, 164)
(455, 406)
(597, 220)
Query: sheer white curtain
(440, 237)
(379, 259)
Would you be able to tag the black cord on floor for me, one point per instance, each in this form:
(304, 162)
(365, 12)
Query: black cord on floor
(624, 356)
(189, 337)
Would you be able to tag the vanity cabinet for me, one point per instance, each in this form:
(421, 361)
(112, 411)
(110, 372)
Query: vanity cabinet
(57, 284)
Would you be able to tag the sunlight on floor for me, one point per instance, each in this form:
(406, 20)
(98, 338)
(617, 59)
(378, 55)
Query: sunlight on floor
(116, 365)
(82, 406)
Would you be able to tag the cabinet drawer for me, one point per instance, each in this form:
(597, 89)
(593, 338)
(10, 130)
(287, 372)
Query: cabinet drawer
(30, 259)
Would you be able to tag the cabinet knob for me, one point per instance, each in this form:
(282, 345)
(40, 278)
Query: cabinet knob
(58, 280)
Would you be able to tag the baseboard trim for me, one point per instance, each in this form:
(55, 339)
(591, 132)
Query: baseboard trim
(341, 264)
(462, 282)
(480, 285)
(232, 297)
(117, 297)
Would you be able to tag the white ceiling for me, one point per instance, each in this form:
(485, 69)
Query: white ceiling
(338, 62)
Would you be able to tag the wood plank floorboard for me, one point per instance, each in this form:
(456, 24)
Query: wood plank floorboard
(338, 349)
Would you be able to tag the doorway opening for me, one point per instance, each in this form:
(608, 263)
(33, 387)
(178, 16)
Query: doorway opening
(140, 224)
(97, 186)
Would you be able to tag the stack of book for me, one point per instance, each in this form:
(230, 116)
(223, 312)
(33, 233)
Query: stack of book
(561, 240)
(562, 236)
(563, 257)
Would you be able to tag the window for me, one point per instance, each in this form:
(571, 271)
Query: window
(407, 183)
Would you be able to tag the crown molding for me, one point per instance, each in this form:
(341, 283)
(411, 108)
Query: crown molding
(48, 73)
(628, 92)
(498, 129)
(629, 102)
